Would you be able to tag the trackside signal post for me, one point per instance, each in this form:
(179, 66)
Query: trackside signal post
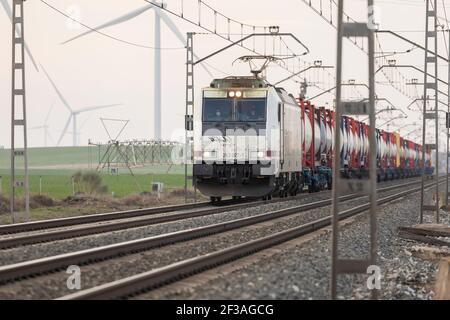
(340, 186)
(430, 85)
(18, 112)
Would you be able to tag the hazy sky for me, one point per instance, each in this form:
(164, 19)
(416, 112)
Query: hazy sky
(97, 70)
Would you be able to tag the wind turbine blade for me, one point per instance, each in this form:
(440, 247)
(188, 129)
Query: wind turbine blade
(63, 133)
(83, 124)
(92, 108)
(51, 138)
(118, 20)
(169, 23)
(48, 114)
(8, 12)
(27, 49)
(7, 8)
(64, 101)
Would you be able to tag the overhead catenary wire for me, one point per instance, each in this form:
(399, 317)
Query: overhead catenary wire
(229, 21)
(329, 19)
(442, 25)
(198, 24)
(105, 34)
(448, 28)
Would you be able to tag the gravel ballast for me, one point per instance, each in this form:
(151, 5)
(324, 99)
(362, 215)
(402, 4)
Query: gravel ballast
(303, 272)
(40, 250)
(54, 285)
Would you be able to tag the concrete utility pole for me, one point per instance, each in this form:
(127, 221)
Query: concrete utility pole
(18, 111)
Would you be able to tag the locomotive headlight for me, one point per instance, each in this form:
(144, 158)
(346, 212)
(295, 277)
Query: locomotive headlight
(260, 154)
(209, 154)
(231, 94)
(238, 94)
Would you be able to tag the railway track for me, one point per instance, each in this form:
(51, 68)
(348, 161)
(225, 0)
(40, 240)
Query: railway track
(72, 221)
(49, 264)
(78, 231)
(171, 273)
(119, 215)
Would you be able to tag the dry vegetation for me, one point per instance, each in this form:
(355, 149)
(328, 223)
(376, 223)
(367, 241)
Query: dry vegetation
(43, 207)
(91, 197)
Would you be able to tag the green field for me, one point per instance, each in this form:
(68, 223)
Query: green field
(40, 157)
(52, 169)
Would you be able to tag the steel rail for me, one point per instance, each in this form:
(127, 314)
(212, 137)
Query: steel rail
(33, 267)
(63, 222)
(109, 216)
(28, 239)
(176, 271)
(47, 236)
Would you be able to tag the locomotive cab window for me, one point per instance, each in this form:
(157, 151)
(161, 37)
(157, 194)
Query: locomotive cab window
(219, 110)
(252, 110)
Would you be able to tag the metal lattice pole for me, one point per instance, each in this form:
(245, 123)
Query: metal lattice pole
(18, 110)
(446, 130)
(189, 116)
(340, 186)
(431, 58)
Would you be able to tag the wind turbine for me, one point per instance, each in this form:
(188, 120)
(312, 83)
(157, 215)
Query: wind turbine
(73, 113)
(45, 128)
(159, 15)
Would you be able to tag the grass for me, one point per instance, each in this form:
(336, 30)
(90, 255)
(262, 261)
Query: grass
(71, 159)
(54, 156)
(52, 168)
(51, 171)
(58, 185)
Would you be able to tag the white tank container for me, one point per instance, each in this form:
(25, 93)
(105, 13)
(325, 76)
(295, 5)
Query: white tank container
(308, 133)
(317, 137)
(383, 147)
(328, 143)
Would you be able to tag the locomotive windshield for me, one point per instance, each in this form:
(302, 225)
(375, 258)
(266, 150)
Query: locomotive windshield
(251, 110)
(234, 110)
(218, 110)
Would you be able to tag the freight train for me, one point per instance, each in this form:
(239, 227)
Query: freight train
(252, 139)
